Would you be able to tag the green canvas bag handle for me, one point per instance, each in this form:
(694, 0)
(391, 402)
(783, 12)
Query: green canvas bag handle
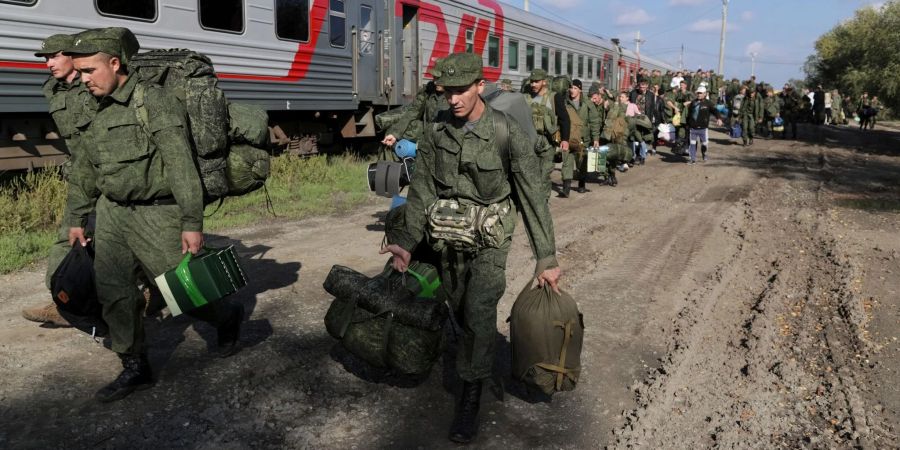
(428, 287)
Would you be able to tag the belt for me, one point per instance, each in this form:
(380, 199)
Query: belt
(159, 201)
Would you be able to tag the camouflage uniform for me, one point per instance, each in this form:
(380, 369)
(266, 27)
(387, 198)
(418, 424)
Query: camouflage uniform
(544, 117)
(583, 126)
(455, 162)
(72, 107)
(418, 114)
(147, 191)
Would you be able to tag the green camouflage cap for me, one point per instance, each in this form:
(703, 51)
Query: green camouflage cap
(116, 41)
(55, 44)
(458, 69)
(506, 81)
(538, 75)
(436, 70)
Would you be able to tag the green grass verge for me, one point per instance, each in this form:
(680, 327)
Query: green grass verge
(32, 204)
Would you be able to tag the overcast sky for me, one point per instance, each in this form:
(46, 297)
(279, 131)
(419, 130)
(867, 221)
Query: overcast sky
(781, 32)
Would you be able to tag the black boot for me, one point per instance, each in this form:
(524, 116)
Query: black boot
(465, 423)
(582, 188)
(135, 376)
(612, 177)
(230, 331)
(566, 188)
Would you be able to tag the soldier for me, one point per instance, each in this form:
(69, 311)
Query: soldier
(837, 108)
(699, 110)
(875, 107)
(460, 165)
(429, 100)
(583, 128)
(770, 112)
(747, 113)
(543, 114)
(506, 85)
(148, 194)
(71, 106)
(791, 105)
(597, 114)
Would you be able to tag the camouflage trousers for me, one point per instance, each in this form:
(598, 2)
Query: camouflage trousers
(136, 236)
(572, 160)
(475, 282)
(748, 128)
(546, 157)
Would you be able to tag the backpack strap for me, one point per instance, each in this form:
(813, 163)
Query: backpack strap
(501, 137)
(137, 101)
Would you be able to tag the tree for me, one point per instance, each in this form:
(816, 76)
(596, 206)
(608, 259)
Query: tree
(860, 55)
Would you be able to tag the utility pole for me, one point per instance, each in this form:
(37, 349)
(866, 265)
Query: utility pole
(526, 6)
(681, 59)
(753, 56)
(637, 46)
(722, 38)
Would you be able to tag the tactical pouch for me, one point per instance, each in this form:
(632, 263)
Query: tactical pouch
(467, 227)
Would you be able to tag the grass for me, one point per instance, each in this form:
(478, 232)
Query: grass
(32, 204)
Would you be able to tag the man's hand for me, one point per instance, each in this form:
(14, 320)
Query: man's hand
(596, 144)
(719, 122)
(191, 241)
(401, 257)
(77, 233)
(551, 276)
(389, 140)
(564, 146)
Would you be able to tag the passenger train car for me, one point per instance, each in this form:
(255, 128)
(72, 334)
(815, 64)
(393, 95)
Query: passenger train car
(322, 68)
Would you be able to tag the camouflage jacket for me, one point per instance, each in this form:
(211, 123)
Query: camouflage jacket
(127, 164)
(72, 107)
(423, 109)
(468, 167)
(596, 117)
(543, 114)
(590, 123)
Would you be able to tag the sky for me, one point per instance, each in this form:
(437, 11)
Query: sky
(781, 32)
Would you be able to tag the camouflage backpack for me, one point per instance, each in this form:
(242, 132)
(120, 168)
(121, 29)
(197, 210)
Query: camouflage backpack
(189, 76)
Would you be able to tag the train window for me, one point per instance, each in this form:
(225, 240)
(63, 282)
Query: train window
(569, 59)
(580, 66)
(366, 30)
(224, 15)
(545, 59)
(558, 62)
(470, 40)
(20, 2)
(493, 51)
(292, 20)
(590, 67)
(130, 9)
(513, 55)
(599, 70)
(337, 23)
(529, 57)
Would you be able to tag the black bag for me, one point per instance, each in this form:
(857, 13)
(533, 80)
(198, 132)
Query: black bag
(72, 284)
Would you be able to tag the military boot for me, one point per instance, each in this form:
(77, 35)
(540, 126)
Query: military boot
(229, 331)
(465, 423)
(612, 178)
(135, 376)
(566, 188)
(48, 313)
(582, 187)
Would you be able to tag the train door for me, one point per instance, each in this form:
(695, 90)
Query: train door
(367, 50)
(410, 44)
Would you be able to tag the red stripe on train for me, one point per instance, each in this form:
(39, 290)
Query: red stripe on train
(23, 65)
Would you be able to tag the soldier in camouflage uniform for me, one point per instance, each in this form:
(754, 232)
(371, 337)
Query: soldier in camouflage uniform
(543, 114)
(149, 199)
(583, 129)
(71, 106)
(461, 166)
(418, 114)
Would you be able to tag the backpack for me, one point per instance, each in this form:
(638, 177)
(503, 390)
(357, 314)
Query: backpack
(546, 332)
(213, 123)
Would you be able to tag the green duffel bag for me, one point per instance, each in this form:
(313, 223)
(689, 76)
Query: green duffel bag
(248, 124)
(392, 320)
(546, 332)
(246, 169)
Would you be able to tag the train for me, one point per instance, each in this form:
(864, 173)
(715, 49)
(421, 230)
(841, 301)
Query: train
(321, 68)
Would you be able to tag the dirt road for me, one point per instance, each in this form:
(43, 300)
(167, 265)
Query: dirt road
(747, 302)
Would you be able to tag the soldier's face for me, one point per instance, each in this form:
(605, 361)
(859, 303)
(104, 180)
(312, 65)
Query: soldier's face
(574, 91)
(537, 86)
(98, 73)
(60, 65)
(463, 100)
(596, 99)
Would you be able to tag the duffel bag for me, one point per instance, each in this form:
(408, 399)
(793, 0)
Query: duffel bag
(392, 320)
(546, 331)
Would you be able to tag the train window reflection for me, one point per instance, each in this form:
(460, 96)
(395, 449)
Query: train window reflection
(292, 19)
(224, 15)
(580, 66)
(493, 51)
(131, 9)
(545, 59)
(557, 63)
(337, 24)
(569, 59)
(529, 57)
(513, 55)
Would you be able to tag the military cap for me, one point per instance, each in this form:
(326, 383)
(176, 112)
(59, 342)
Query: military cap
(459, 69)
(116, 41)
(506, 81)
(595, 89)
(55, 44)
(538, 75)
(435, 71)
(576, 82)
